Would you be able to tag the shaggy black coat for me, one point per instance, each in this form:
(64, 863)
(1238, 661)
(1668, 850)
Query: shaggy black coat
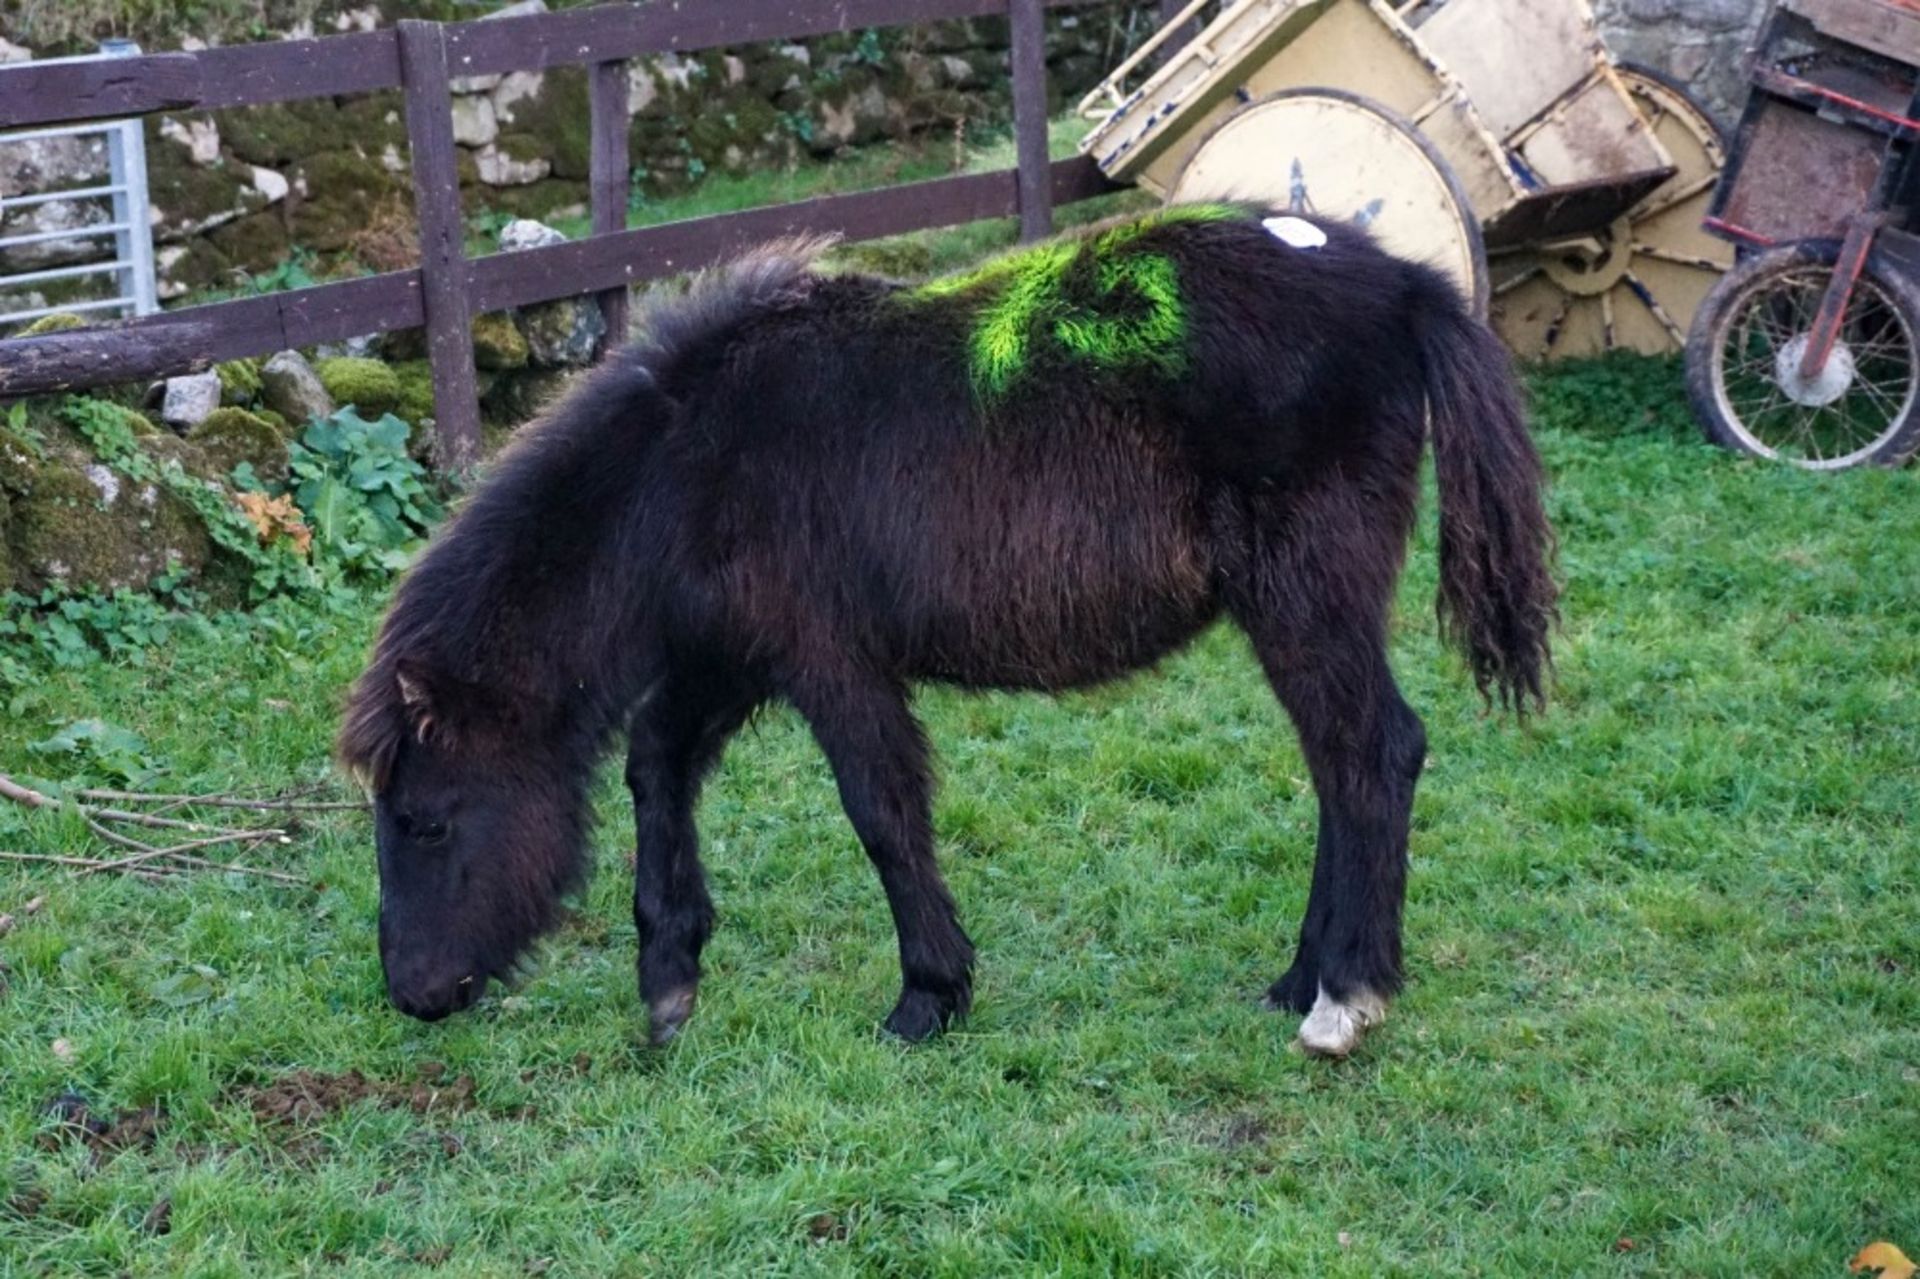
(794, 487)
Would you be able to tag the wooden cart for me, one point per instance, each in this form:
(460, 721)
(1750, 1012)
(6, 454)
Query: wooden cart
(1493, 138)
(1809, 352)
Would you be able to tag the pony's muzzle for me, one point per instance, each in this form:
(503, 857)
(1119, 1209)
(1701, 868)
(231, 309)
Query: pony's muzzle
(432, 1000)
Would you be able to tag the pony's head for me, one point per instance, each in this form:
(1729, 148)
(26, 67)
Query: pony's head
(480, 823)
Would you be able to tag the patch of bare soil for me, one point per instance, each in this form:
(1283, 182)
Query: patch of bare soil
(304, 1097)
(74, 1119)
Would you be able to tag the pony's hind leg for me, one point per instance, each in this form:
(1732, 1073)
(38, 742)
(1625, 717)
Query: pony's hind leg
(677, 737)
(879, 760)
(1314, 602)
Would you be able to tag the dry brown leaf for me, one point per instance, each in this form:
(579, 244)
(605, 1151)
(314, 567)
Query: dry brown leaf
(275, 517)
(1885, 1259)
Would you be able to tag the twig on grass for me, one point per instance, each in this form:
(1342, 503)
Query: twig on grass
(89, 864)
(154, 861)
(223, 800)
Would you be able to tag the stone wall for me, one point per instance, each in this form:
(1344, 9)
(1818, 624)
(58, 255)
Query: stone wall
(235, 192)
(1699, 43)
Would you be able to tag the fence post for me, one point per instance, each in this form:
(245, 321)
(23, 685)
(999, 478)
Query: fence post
(611, 175)
(443, 264)
(1028, 29)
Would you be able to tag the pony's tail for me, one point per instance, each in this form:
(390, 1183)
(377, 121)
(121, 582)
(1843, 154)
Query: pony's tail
(1498, 600)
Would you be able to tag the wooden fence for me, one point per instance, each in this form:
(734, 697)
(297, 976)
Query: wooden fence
(447, 289)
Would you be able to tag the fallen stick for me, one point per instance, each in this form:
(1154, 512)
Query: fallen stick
(152, 861)
(152, 852)
(89, 864)
(226, 801)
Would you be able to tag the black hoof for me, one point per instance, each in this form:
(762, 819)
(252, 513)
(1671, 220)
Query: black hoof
(922, 1014)
(667, 1014)
(1295, 991)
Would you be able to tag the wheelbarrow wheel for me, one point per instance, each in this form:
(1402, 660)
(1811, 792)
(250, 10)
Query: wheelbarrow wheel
(1335, 154)
(1636, 284)
(1744, 355)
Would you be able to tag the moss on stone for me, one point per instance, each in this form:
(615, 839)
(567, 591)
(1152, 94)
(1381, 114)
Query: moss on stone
(522, 146)
(6, 555)
(286, 131)
(201, 267)
(58, 322)
(277, 420)
(140, 424)
(416, 391)
(254, 243)
(376, 121)
(344, 189)
(68, 531)
(230, 436)
(542, 201)
(560, 117)
(367, 384)
(188, 195)
(497, 344)
(19, 463)
(239, 381)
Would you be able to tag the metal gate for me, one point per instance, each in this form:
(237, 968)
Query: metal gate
(128, 226)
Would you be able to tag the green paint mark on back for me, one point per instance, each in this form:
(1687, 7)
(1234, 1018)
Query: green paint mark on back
(1102, 300)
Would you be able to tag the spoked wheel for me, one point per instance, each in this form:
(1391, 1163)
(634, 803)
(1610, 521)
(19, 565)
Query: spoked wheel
(1743, 363)
(1336, 154)
(1634, 285)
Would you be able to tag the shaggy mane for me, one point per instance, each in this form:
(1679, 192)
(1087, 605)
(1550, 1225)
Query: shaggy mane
(446, 627)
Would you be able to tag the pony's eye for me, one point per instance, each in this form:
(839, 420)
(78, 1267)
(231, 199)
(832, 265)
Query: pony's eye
(429, 832)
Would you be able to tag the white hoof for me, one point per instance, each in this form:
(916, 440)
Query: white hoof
(1334, 1029)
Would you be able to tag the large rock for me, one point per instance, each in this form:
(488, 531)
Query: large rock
(198, 134)
(230, 436)
(562, 333)
(474, 123)
(87, 526)
(513, 163)
(558, 334)
(367, 384)
(191, 398)
(291, 388)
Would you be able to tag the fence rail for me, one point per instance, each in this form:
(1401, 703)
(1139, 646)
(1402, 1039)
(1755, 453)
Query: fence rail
(448, 288)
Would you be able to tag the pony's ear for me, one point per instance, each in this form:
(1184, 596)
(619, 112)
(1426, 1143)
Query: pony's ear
(415, 687)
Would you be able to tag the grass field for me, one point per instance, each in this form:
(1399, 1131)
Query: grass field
(1663, 1018)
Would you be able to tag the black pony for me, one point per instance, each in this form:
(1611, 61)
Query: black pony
(1047, 473)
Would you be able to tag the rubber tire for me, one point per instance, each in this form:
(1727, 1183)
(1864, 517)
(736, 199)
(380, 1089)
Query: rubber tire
(1895, 446)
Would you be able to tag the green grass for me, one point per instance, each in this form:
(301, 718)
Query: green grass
(1663, 1017)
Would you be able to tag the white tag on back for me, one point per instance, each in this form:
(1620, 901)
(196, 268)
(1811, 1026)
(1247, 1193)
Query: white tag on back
(1297, 232)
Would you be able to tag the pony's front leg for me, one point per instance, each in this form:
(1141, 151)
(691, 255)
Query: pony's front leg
(879, 760)
(677, 737)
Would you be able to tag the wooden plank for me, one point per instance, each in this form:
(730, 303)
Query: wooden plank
(192, 338)
(1028, 28)
(236, 75)
(436, 203)
(615, 31)
(364, 61)
(611, 174)
(1891, 30)
(501, 280)
(562, 270)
